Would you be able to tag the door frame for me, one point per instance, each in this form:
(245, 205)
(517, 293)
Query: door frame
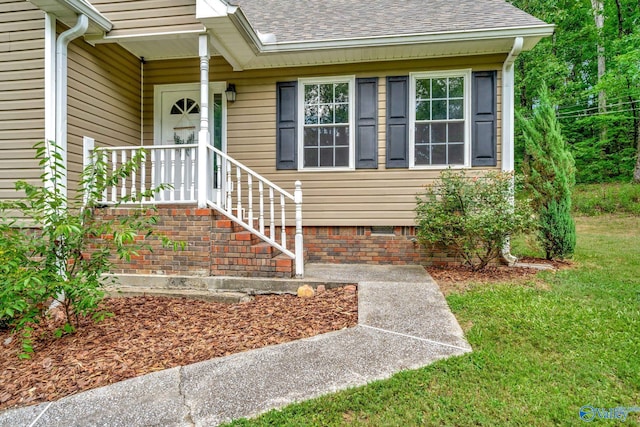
(214, 88)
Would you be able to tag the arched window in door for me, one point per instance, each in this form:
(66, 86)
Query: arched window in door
(187, 113)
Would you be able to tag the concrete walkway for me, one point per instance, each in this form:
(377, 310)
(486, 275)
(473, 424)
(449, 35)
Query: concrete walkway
(404, 323)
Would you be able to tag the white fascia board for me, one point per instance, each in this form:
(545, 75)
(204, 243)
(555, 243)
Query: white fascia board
(535, 32)
(212, 9)
(77, 7)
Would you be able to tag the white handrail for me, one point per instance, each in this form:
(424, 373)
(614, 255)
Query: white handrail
(244, 205)
(229, 189)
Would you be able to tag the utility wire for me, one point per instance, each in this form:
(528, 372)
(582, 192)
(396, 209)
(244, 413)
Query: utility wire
(598, 108)
(602, 113)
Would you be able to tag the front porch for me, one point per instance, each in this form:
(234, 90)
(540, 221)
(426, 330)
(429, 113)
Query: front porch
(233, 221)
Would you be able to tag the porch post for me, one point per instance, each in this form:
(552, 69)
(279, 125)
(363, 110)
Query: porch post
(203, 135)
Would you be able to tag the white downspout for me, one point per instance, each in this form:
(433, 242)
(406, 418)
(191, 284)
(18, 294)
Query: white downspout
(61, 88)
(508, 119)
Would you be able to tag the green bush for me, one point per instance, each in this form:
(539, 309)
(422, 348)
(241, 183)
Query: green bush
(57, 263)
(549, 171)
(557, 230)
(474, 217)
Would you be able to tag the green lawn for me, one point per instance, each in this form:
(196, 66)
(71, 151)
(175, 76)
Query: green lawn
(539, 354)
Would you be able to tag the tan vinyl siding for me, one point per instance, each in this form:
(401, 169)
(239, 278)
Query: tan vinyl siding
(361, 197)
(134, 17)
(103, 99)
(21, 92)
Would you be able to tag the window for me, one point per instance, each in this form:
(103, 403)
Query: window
(439, 119)
(326, 123)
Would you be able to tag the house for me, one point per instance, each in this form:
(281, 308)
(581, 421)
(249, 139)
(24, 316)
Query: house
(289, 130)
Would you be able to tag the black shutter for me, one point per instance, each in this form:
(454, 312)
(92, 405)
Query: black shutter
(484, 119)
(286, 125)
(397, 122)
(367, 123)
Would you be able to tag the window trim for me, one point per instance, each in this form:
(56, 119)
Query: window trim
(351, 80)
(466, 74)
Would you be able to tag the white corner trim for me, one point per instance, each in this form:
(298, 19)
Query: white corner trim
(49, 77)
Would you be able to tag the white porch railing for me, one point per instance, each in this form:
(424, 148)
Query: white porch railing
(239, 193)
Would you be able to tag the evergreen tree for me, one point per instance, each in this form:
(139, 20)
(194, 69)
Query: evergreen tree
(549, 176)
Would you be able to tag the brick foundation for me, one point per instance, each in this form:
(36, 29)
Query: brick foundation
(397, 246)
(216, 246)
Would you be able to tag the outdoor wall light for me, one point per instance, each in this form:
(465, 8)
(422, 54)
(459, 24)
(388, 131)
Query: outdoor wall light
(231, 93)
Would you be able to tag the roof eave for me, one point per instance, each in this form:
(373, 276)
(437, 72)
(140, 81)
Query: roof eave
(531, 34)
(63, 9)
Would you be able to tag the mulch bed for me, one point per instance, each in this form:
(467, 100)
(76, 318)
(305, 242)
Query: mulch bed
(148, 334)
(460, 278)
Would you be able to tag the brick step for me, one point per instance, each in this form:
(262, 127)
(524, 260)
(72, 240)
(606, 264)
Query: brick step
(284, 264)
(264, 250)
(246, 236)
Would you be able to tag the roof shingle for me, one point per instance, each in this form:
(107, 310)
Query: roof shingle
(322, 20)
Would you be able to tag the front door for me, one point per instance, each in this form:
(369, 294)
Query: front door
(177, 122)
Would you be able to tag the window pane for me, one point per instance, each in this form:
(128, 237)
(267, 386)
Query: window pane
(342, 156)
(342, 92)
(438, 154)
(325, 114)
(439, 132)
(342, 135)
(311, 137)
(456, 132)
(456, 111)
(326, 93)
(310, 157)
(456, 154)
(422, 155)
(342, 113)
(423, 89)
(422, 110)
(310, 94)
(456, 87)
(439, 88)
(326, 137)
(326, 157)
(439, 110)
(310, 115)
(422, 133)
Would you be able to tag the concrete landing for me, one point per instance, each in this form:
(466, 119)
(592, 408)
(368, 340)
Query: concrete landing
(404, 323)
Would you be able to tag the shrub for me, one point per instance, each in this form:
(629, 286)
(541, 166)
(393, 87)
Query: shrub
(474, 217)
(557, 230)
(56, 262)
(549, 177)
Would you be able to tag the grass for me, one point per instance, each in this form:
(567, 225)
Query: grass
(596, 199)
(539, 354)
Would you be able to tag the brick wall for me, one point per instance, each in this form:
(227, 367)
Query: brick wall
(214, 246)
(363, 245)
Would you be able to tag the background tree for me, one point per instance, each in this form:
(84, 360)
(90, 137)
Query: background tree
(594, 56)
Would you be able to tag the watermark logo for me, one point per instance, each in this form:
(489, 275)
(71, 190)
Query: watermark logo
(589, 413)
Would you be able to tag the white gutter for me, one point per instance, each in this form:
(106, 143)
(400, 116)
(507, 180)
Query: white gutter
(508, 118)
(61, 88)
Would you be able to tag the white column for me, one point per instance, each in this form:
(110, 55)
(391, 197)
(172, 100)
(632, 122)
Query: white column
(203, 135)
